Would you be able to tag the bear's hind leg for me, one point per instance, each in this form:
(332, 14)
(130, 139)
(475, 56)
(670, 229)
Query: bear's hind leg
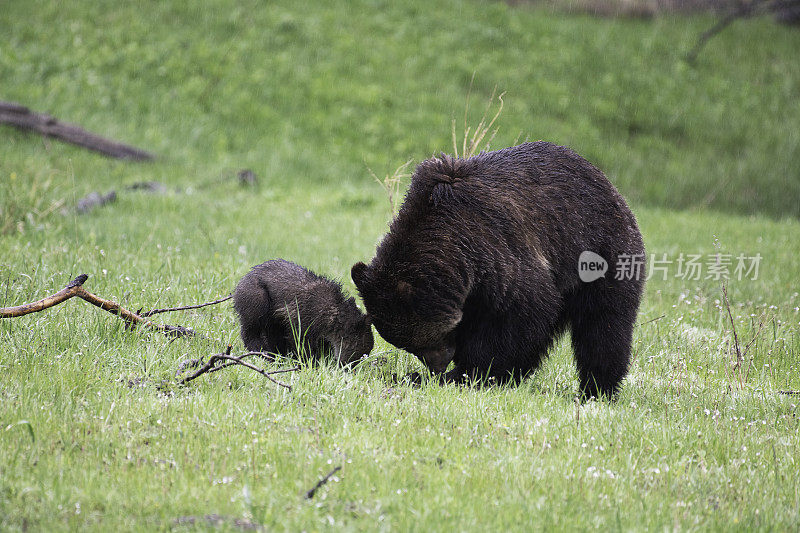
(267, 338)
(602, 322)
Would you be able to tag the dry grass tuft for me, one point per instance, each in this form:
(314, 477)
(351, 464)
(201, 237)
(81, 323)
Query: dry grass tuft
(393, 183)
(473, 141)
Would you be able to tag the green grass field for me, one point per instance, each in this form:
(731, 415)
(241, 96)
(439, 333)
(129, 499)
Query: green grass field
(310, 97)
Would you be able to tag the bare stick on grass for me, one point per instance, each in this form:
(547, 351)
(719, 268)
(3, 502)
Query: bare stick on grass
(75, 288)
(226, 360)
(321, 482)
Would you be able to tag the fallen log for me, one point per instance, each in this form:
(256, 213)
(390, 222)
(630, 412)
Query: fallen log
(23, 118)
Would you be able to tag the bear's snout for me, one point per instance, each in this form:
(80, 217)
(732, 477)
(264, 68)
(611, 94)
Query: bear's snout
(437, 360)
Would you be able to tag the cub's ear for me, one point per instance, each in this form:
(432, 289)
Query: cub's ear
(359, 274)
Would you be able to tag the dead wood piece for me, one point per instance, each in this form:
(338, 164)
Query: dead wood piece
(247, 177)
(75, 288)
(787, 11)
(321, 482)
(154, 187)
(54, 299)
(23, 118)
(194, 363)
(95, 199)
(226, 360)
(185, 307)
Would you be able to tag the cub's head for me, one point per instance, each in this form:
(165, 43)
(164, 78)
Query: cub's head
(412, 312)
(357, 337)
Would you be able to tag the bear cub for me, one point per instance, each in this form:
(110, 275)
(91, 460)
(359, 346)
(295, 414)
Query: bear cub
(481, 267)
(279, 302)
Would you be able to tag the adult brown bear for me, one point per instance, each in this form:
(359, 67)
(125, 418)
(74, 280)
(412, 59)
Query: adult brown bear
(481, 267)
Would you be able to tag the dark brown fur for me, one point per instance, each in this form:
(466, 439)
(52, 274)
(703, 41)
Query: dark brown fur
(480, 267)
(279, 302)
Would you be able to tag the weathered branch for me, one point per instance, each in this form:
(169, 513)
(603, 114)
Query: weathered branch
(64, 294)
(75, 288)
(23, 118)
(194, 363)
(229, 360)
(265, 355)
(185, 307)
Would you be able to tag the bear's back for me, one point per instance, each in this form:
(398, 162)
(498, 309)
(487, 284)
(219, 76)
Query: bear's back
(532, 204)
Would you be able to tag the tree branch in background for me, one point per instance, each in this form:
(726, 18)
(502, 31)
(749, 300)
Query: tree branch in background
(744, 9)
(23, 118)
(75, 288)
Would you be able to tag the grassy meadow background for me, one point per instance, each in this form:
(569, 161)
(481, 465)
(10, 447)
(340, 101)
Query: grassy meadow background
(311, 97)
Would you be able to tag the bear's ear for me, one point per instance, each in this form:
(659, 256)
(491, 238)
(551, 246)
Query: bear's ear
(359, 275)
